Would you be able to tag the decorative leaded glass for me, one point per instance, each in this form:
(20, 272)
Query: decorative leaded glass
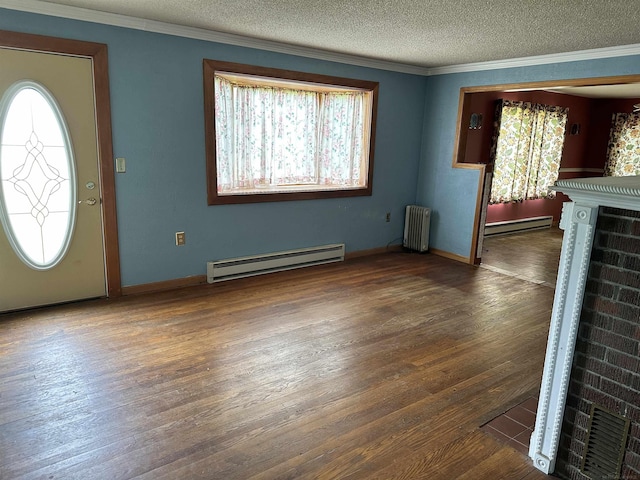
(37, 175)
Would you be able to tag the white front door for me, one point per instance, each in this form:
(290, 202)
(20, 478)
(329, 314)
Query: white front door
(52, 242)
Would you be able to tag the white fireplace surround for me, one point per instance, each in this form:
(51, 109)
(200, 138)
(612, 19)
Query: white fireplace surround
(578, 222)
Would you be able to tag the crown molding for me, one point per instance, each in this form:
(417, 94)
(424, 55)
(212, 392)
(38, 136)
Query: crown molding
(117, 20)
(94, 16)
(593, 54)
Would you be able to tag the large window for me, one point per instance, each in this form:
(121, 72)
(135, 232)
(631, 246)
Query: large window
(528, 151)
(282, 135)
(623, 155)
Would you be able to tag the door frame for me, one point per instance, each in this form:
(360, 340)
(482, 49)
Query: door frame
(97, 52)
(460, 142)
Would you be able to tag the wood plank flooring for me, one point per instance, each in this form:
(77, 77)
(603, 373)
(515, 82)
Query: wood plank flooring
(533, 256)
(382, 367)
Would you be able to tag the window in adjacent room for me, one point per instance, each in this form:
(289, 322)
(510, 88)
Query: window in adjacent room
(623, 154)
(283, 135)
(528, 150)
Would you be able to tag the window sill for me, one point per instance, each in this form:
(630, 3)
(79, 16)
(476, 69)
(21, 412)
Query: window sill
(286, 193)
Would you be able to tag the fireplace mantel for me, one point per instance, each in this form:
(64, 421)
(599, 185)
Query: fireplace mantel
(578, 222)
(618, 192)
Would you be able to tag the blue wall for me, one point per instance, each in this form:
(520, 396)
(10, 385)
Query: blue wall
(158, 126)
(157, 115)
(451, 193)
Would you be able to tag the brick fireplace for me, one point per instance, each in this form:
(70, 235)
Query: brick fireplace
(606, 365)
(593, 351)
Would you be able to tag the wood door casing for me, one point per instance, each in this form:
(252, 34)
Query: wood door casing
(99, 54)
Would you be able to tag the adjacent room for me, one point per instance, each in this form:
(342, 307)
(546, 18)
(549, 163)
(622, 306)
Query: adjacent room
(285, 240)
(521, 207)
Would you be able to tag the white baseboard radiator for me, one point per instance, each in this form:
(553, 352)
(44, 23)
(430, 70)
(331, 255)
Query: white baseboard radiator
(517, 226)
(416, 228)
(241, 267)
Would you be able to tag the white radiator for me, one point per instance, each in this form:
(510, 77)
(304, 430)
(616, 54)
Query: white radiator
(220, 270)
(517, 226)
(416, 228)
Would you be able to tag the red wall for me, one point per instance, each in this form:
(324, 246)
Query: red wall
(478, 144)
(585, 150)
(601, 111)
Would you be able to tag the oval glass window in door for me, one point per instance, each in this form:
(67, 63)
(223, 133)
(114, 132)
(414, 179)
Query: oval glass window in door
(37, 175)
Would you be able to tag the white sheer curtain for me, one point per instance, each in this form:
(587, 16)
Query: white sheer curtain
(342, 118)
(272, 136)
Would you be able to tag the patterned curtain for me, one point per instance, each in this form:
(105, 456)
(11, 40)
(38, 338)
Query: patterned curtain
(528, 151)
(623, 153)
(269, 136)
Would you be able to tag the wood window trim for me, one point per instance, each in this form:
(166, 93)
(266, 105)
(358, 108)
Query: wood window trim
(213, 198)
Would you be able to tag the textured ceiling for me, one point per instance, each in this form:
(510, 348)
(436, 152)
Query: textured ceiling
(425, 33)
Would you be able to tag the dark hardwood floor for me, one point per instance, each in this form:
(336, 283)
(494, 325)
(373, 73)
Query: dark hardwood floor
(532, 256)
(382, 367)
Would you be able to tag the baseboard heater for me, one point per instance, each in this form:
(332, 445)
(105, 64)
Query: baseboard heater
(517, 226)
(241, 267)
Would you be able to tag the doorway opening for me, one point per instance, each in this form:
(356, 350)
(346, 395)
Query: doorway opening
(590, 104)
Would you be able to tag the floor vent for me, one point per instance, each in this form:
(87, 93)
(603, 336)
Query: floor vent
(517, 226)
(606, 441)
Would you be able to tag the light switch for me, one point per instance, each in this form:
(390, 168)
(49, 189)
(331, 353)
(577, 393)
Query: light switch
(180, 239)
(121, 165)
